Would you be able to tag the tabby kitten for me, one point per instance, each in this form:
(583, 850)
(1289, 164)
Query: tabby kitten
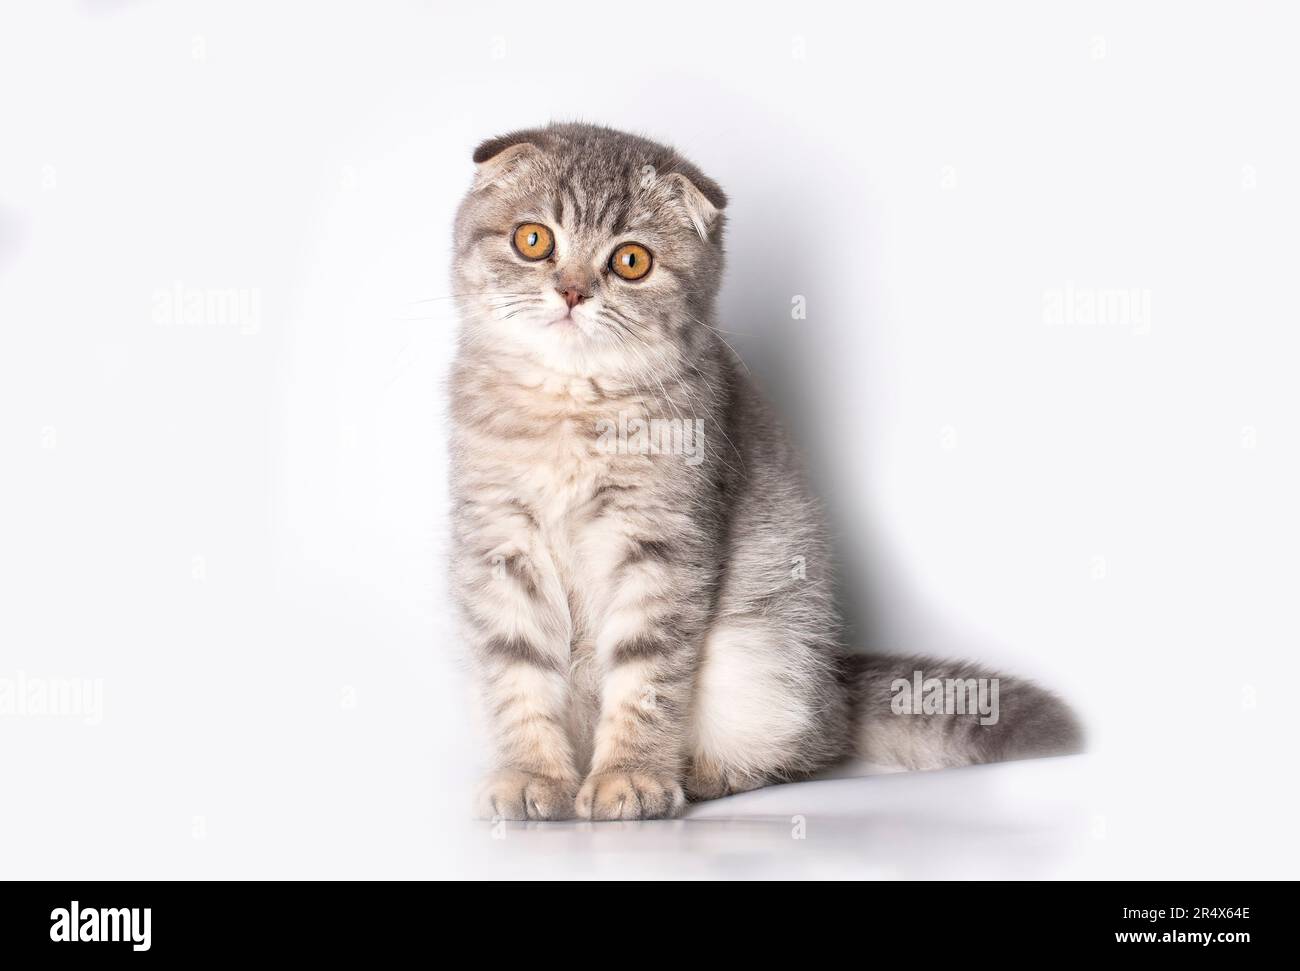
(650, 608)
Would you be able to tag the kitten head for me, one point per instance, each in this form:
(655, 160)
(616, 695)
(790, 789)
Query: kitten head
(589, 250)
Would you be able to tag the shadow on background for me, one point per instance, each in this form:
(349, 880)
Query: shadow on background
(774, 256)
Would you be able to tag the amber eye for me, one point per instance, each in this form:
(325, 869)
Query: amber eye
(533, 241)
(631, 261)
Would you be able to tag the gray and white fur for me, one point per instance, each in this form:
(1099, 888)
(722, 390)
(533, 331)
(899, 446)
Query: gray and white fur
(648, 626)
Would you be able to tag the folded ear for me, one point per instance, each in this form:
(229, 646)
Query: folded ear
(703, 199)
(498, 159)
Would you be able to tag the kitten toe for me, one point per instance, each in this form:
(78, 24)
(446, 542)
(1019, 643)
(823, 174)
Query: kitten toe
(515, 795)
(630, 795)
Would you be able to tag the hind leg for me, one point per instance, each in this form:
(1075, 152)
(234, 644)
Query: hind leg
(759, 699)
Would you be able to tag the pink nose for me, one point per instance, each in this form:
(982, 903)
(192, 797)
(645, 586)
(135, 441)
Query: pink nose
(572, 296)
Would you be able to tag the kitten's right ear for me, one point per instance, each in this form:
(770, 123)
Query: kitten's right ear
(499, 159)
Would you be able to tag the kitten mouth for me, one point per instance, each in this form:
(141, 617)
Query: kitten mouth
(567, 322)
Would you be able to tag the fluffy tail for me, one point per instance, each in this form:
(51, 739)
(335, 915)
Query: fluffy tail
(922, 713)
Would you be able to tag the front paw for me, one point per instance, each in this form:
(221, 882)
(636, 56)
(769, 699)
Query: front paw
(513, 794)
(629, 795)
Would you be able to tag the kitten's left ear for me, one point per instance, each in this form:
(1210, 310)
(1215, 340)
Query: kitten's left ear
(500, 158)
(704, 201)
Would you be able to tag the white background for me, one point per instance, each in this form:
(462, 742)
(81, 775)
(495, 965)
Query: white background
(239, 530)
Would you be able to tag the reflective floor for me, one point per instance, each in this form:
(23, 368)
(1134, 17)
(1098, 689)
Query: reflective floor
(1001, 821)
